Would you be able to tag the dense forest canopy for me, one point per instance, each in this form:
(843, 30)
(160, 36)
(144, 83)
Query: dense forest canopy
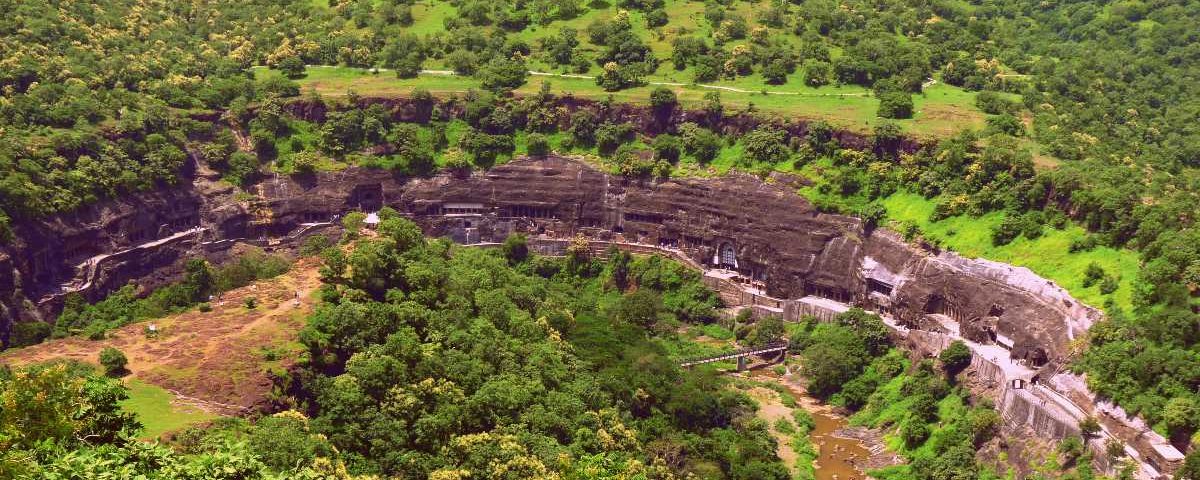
(428, 361)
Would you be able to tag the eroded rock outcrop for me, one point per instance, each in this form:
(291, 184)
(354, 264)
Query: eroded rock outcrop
(763, 231)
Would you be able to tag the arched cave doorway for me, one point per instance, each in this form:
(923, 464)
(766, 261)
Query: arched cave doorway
(726, 256)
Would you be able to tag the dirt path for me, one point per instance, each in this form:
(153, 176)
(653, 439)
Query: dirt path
(219, 360)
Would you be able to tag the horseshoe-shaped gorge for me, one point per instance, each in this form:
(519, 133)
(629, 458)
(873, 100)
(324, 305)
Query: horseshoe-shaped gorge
(759, 244)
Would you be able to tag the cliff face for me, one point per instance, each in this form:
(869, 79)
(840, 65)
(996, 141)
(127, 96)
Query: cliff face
(762, 230)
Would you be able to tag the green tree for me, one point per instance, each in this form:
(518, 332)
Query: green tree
(666, 147)
(775, 73)
(833, 356)
(818, 74)
(503, 74)
(292, 67)
(353, 223)
(700, 142)
(515, 248)
(766, 330)
(640, 308)
(767, 145)
(895, 104)
(663, 101)
(955, 358)
(1190, 469)
(1089, 427)
(1181, 415)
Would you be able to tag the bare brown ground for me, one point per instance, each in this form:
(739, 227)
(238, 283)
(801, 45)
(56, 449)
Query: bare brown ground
(218, 360)
(949, 119)
(771, 409)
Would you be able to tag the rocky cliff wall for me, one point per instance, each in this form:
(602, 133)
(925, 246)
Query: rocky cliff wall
(762, 231)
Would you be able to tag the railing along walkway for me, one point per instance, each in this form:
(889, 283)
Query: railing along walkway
(777, 346)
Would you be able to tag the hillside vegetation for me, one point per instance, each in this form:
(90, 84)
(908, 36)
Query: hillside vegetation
(1089, 127)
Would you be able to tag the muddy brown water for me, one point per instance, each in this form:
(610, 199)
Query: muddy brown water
(836, 456)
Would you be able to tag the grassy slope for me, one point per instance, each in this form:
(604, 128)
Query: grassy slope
(155, 409)
(1047, 256)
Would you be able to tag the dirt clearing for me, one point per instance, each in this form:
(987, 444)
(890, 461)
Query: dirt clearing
(220, 361)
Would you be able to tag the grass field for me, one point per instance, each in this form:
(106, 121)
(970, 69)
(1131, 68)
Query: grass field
(940, 111)
(158, 410)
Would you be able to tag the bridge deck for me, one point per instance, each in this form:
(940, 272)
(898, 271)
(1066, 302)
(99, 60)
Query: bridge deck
(745, 352)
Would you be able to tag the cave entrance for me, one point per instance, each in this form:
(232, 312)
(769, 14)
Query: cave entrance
(935, 305)
(726, 256)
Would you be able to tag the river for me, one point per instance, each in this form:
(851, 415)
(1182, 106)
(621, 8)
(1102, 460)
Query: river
(837, 456)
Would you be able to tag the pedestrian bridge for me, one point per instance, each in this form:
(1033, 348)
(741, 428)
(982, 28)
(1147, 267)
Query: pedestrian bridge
(739, 355)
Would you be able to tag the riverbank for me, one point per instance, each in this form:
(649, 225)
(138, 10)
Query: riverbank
(839, 451)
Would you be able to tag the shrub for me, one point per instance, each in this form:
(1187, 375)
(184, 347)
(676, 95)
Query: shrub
(656, 18)
(700, 142)
(537, 145)
(1007, 231)
(993, 103)
(1092, 274)
(1089, 427)
(29, 333)
(1108, 284)
(666, 147)
(784, 426)
(1006, 124)
(1031, 224)
(1115, 449)
(205, 307)
(1083, 244)
(314, 244)
(775, 73)
(250, 303)
(96, 331)
(1070, 448)
(113, 361)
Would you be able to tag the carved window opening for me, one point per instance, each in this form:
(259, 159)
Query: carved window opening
(462, 209)
(527, 211)
(879, 286)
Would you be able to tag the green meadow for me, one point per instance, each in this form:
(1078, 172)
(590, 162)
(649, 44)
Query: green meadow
(157, 410)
